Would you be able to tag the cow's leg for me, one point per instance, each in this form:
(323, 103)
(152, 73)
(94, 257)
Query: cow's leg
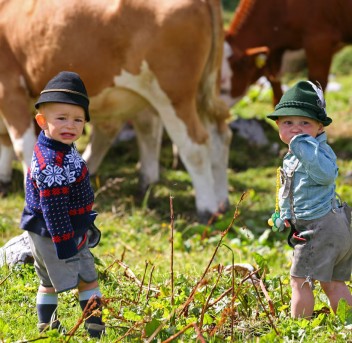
(149, 130)
(273, 74)
(195, 153)
(20, 147)
(319, 49)
(196, 157)
(220, 139)
(277, 90)
(14, 104)
(6, 156)
(207, 165)
(97, 147)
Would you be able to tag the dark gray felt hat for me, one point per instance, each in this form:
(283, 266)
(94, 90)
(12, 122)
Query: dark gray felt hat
(66, 87)
(304, 99)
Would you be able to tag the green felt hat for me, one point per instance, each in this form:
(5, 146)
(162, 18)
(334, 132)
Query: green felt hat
(304, 99)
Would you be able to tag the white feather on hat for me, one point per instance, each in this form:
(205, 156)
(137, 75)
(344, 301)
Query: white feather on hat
(318, 89)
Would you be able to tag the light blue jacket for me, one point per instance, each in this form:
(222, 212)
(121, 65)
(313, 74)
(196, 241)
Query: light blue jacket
(314, 178)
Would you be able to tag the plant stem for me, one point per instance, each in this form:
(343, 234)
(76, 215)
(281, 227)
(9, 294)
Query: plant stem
(172, 250)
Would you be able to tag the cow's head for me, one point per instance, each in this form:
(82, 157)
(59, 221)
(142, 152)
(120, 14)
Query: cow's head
(240, 69)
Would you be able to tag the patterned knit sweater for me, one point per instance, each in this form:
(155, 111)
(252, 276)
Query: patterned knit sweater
(59, 197)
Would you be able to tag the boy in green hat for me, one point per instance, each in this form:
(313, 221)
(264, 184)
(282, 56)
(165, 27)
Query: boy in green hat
(320, 223)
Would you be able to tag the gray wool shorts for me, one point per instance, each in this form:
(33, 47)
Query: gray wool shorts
(326, 255)
(61, 274)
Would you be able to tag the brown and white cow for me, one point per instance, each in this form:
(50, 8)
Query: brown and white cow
(155, 62)
(262, 31)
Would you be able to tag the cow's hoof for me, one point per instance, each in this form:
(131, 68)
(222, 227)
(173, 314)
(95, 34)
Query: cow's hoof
(207, 218)
(224, 206)
(4, 188)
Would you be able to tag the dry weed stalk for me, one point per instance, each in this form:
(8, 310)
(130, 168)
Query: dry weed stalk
(172, 250)
(205, 307)
(6, 277)
(110, 183)
(270, 305)
(200, 337)
(129, 274)
(223, 234)
(92, 309)
(142, 282)
(131, 329)
(267, 297)
(149, 284)
(229, 311)
(181, 310)
(233, 289)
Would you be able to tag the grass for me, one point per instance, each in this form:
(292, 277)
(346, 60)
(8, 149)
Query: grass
(136, 231)
(136, 247)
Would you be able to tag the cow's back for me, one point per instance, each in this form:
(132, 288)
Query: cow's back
(99, 38)
(179, 40)
(324, 16)
(283, 23)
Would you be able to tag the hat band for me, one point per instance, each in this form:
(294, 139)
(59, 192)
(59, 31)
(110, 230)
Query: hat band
(320, 111)
(298, 104)
(65, 91)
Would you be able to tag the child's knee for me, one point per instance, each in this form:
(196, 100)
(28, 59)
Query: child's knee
(84, 286)
(332, 286)
(44, 289)
(297, 283)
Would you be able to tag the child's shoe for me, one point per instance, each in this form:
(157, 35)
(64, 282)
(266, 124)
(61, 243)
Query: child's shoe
(42, 327)
(95, 330)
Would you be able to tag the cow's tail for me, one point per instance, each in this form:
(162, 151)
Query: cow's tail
(209, 102)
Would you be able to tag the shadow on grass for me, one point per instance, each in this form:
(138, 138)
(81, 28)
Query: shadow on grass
(124, 196)
(342, 148)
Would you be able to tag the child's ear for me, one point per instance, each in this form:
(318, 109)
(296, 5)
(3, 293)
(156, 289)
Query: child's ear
(40, 118)
(321, 129)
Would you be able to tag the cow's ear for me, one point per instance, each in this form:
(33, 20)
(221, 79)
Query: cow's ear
(40, 118)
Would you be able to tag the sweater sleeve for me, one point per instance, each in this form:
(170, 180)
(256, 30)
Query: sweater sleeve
(54, 198)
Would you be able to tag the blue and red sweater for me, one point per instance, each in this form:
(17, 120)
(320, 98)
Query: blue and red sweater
(59, 197)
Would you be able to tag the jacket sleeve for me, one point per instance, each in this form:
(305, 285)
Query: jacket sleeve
(318, 159)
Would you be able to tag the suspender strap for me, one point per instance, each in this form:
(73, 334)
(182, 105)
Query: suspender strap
(289, 188)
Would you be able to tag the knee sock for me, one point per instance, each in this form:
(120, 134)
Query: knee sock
(94, 325)
(46, 307)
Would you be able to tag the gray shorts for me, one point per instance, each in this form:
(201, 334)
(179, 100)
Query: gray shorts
(60, 274)
(327, 253)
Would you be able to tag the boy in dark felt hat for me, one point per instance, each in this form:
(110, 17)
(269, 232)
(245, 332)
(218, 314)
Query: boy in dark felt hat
(320, 223)
(59, 199)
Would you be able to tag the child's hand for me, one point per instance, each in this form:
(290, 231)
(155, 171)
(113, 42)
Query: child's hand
(94, 235)
(80, 241)
(276, 223)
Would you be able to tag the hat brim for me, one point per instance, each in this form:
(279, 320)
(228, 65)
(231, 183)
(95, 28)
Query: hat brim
(296, 111)
(65, 98)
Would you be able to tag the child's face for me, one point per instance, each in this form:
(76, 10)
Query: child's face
(61, 122)
(291, 126)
